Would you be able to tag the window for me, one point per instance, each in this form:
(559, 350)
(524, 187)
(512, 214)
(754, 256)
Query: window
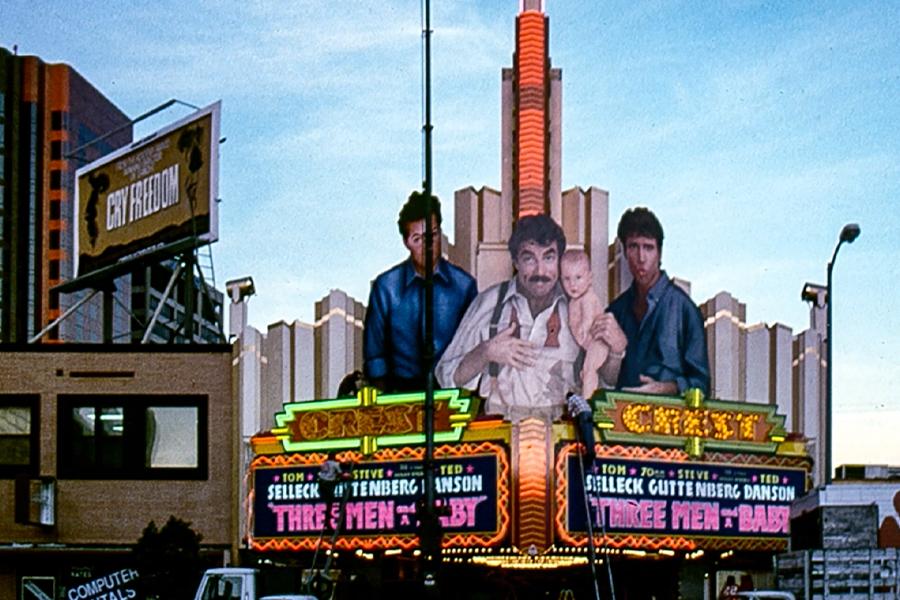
(55, 179)
(53, 270)
(19, 431)
(55, 209)
(57, 120)
(54, 239)
(56, 150)
(132, 437)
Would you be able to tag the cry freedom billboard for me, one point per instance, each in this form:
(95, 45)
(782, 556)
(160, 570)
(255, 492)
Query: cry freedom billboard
(152, 193)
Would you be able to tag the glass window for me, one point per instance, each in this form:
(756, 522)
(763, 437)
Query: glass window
(56, 150)
(55, 209)
(55, 179)
(18, 435)
(53, 270)
(172, 437)
(223, 587)
(132, 437)
(54, 239)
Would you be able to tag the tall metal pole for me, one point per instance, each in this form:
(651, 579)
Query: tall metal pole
(848, 234)
(431, 530)
(828, 393)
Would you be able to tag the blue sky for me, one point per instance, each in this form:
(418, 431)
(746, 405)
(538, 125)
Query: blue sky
(755, 130)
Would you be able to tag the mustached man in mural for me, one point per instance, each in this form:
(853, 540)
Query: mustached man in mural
(394, 337)
(666, 342)
(514, 345)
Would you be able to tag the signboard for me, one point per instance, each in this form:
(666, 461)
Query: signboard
(38, 588)
(686, 499)
(157, 191)
(372, 420)
(122, 584)
(472, 485)
(690, 422)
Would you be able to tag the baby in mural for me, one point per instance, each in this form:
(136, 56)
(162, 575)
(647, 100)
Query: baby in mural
(584, 307)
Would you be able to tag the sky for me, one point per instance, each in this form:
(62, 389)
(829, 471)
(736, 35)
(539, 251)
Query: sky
(754, 129)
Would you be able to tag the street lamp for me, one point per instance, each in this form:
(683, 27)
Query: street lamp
(848, 234)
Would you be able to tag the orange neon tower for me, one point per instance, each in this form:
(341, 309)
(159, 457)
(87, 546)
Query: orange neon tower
(530, 172)
(531, 115)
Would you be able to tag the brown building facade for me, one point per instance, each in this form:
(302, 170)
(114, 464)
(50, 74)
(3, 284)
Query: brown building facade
(111, 439)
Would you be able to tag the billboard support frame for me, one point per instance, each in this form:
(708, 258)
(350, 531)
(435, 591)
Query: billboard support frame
(75, 154)
(102, 280)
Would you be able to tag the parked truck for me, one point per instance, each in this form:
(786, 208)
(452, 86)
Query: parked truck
(234, 583)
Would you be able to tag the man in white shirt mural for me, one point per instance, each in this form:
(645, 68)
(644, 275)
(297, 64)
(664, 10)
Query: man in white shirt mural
(514, 345)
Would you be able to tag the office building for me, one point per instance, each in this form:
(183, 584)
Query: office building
(148, 285)
(48, 113)
(99, 441)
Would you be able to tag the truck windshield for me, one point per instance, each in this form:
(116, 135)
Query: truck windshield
(222, 587)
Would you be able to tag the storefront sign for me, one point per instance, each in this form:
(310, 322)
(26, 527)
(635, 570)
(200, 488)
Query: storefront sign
(690, 422)
(683, 498)
(118, 585)
(371, 421)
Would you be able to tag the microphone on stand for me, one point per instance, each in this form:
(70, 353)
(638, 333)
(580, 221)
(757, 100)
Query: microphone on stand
(581, 413)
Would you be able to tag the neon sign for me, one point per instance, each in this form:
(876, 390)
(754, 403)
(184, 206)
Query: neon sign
(657, 497)
(691, 422)
(472, 483)
(371, 421)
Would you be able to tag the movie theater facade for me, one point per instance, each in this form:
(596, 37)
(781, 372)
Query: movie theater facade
(684, 489)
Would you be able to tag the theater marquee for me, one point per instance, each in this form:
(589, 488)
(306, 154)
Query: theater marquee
(653, 498)
(382, 511)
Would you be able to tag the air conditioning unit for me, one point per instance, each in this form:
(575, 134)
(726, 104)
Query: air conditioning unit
(36, 501)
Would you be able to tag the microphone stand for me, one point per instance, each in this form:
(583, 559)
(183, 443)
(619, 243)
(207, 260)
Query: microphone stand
(578, 419)
(583, 418)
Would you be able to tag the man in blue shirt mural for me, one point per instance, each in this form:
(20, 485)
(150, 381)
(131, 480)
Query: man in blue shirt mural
(394, 336)
(666, 351)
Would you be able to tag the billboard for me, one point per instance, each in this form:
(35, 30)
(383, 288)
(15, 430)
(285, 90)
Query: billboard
(152, 193)
(382, 509)
(684, 500)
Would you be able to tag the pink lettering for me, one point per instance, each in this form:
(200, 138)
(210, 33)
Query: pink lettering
(298, 517)
(462, 511)
(765, 519)
(695, 516)
(631, 514)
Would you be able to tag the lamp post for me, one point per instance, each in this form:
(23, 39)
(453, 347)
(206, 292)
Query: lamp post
(848, 234)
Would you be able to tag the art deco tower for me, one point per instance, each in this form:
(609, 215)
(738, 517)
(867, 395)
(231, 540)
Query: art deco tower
(532, 112)
(531, 174)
